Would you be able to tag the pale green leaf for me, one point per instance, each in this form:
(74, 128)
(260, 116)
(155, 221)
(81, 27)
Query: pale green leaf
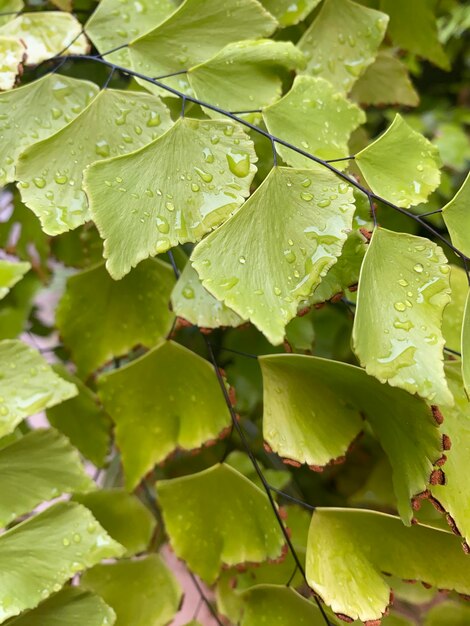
(331, 120)
(386, 81)
(125, 313)
(51, 171)
(17, 305)
(450, 613)
(413, 27)
(142, 593)
(454, 496)
(69, 607)
(403, 289)
(150, 424)
(227, 520)
(11, 57)
(401, 165)
(113, 25)
(8, 8)
(178, 188)
(245, 75)
(182, 41)
(39, 555)
(456, 216)
(289, 13)
(343, 41)
(195, 304)
(28, 472)
(45, 34)
(453, 144)
(27, 384)
(466, 346)
(83, 420)
(452, 319)
(312, 410)
(242, 463)
(36, 111)
(11, 272)
(124, 517)
(349, 549)
(281, 243)
(278, 606)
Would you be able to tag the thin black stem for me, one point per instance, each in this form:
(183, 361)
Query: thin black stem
(109, 79)
(246, 112)
(301, 503)
(291, 578)
(430, 213)
(348, 158)
(240, 352)
(204, 598)
(450, 351)
(116, 49)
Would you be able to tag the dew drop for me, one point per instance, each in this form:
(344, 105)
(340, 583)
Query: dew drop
(242, 260)
(188, 293)
(399, 306)
(418, 268)
(170, 206)
(40, 182)
(162, 225)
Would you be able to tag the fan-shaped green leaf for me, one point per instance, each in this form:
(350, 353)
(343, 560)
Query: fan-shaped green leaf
(34, 112)
(51, 171)
(45, 34)
(386, 81)
(331, 120)
(450, 613)
(114, 25)
(227, 520)
(245, 75)
(278, 606)
(132, 311)
(455, 495)
(11, 273)
(179, 187)
(123, 516)
(289, 13)
(401, 165)
(27, 384)
(28, 472)
(142, 593)
(452, 319)
(69, 607)
(343, 41)
(242, 463)
(466, 346)
(282, 242)
(38, 556)
(312, 410)
(11, 57)
(397, 328)
(196, 305)
(457, 217)
(181, 42)
(151, 424)
(413, 27)
(8, 9)
(349, 549)
(83, 420)
(16, 307)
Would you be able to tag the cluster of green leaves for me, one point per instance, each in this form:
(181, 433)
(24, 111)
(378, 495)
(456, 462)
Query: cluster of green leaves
(191, 184)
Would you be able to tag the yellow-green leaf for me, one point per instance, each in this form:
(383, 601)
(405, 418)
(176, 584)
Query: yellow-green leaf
(452, 319)
(10, 273)
(289, 13)
(456, 215)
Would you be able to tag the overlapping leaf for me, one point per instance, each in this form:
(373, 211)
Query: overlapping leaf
(245, 75)
(83, 420)
(276, 249)
(172, 191)
(349, 549)
(27, 384)
(45, 34)
(38, 556)
(289, 13)
(10, 273)
(123, 516)
(69, 607)
(132, 311)
(168, 399)
(450, 613)
(452, 319)
(142, 593)
(466, 347)
(11, 56)
(111, 25)
(9, 8)
(313, 116)
(343, 41)
(454, 496)
(28, 472)
(36, 111)
(401, 165)
(195, 304)
(312, 412)
(457, 217)
(51, 171)
(227, 520)
(403, 289)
